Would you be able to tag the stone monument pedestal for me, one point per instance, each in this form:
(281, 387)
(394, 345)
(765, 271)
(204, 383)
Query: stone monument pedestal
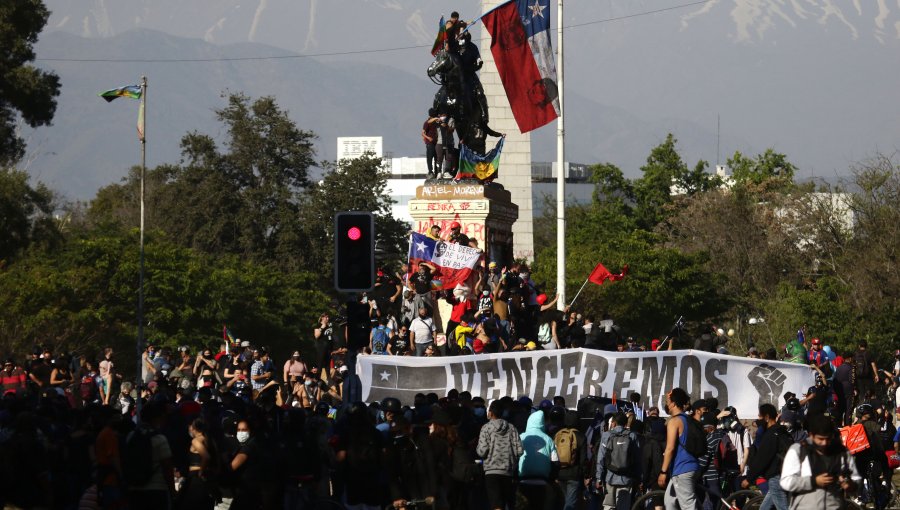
(485, 213)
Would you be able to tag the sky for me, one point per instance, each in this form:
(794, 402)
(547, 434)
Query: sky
(813, 79)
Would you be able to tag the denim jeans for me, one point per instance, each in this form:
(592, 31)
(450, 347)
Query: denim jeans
(775, 497)
(420, 348)
(571, 492)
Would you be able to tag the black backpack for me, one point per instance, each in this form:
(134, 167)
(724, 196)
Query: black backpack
(137, 457)
(695, 438)
(618, 454)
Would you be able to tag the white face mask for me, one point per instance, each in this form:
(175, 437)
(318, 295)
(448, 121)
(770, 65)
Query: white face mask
(243, 436)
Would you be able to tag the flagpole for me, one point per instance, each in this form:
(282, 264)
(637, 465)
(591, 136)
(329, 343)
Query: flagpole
(140, 314)
(579, 291)
(560, 170)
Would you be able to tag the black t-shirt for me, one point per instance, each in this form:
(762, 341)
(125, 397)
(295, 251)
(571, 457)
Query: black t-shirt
(864, 362)
(42, 371)
(399, 345)
(421, 283)
(385, 287)
(818, 404)
(459, 238)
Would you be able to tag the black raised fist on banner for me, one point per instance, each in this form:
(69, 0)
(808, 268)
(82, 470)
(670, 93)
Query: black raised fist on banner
(768, 382)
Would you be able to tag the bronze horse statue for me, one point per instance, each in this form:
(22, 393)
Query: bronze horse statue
(467, 105)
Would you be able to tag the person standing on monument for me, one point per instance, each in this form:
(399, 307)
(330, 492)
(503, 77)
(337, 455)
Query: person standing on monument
(449, 155)
(430, 137)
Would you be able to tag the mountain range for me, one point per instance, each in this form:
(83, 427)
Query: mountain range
(814, 79)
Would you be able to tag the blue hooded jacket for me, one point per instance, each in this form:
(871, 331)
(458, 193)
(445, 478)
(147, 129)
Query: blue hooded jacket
(540, 451)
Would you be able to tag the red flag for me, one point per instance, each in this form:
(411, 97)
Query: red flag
(600, 274)
(520, 43)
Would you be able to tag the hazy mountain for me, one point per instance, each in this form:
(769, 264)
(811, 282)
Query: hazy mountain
(814, 79)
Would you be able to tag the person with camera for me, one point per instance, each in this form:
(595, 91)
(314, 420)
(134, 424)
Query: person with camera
(205, 361)
(817, 472)
(323, 336)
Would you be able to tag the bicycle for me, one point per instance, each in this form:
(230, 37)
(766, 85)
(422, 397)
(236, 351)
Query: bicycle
(412, 504)
(749, 499)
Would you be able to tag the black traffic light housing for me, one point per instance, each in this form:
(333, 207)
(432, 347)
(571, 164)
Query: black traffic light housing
(354, 251)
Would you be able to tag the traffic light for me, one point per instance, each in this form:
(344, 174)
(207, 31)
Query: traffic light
(354, 251)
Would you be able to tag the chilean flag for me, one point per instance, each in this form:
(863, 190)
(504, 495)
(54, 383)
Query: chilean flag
(453, 262)
(520, 43)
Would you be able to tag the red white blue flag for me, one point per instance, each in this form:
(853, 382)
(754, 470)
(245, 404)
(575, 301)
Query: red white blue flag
(453, 263)
(520, 43)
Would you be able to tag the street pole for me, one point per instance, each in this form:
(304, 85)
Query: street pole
(560, 169)
(140, 314)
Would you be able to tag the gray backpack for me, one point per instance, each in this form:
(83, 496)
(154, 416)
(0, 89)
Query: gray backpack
(618, 453)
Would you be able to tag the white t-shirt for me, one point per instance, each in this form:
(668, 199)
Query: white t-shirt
(423, 329)
(741, 440)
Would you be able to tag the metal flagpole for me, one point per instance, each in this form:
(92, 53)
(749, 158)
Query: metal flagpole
(579, 291)
(560, 169)
(140, 314)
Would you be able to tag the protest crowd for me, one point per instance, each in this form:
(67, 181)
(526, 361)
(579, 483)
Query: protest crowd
(227, 426)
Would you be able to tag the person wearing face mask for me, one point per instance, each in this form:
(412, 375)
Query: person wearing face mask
(205, 361)
(817, 472)
(310, 394)
(245, 466)
(294, 366)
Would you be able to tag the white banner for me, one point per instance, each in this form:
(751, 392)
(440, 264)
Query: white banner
(744, 383)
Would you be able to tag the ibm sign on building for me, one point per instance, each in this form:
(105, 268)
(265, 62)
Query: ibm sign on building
(350, 147)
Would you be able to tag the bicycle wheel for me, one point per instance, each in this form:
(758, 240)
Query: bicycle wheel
(740, 500)
(642, 502)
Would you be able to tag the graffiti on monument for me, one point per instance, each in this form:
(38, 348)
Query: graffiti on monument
(472, 229)
(453, 191)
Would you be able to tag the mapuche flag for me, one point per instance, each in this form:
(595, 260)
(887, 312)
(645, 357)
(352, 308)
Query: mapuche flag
(600, 274)
(440, 38)
(130, 91)
(453, 262)
(479, 166)
(520, 43)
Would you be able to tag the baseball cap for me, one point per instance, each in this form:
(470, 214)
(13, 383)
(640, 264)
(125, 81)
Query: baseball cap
(492, 264)
(454, 225)
(530, 346)
(709, 419)
(816, 341)
(654, 344)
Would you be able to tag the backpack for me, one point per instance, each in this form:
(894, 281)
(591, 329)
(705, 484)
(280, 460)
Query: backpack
(545, 334)
(87, 389)
(137, 459)
(379, 339)
(566, 442)
(618, 455)
(863, 369)
(784, 443)
(695, 438)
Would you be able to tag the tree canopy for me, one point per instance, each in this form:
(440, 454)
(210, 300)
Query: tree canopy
(26, 92)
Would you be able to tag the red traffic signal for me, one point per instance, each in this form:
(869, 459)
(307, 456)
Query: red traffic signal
(354, 251)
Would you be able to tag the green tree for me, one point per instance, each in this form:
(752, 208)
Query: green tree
(24, 89)
(352, 185)
(770, 168)
(82, 297)
(26, 215)
(244, 201)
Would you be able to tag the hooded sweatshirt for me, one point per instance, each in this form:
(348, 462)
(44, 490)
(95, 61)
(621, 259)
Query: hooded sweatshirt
(801, 465)
(500, 447)
(540, 451)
